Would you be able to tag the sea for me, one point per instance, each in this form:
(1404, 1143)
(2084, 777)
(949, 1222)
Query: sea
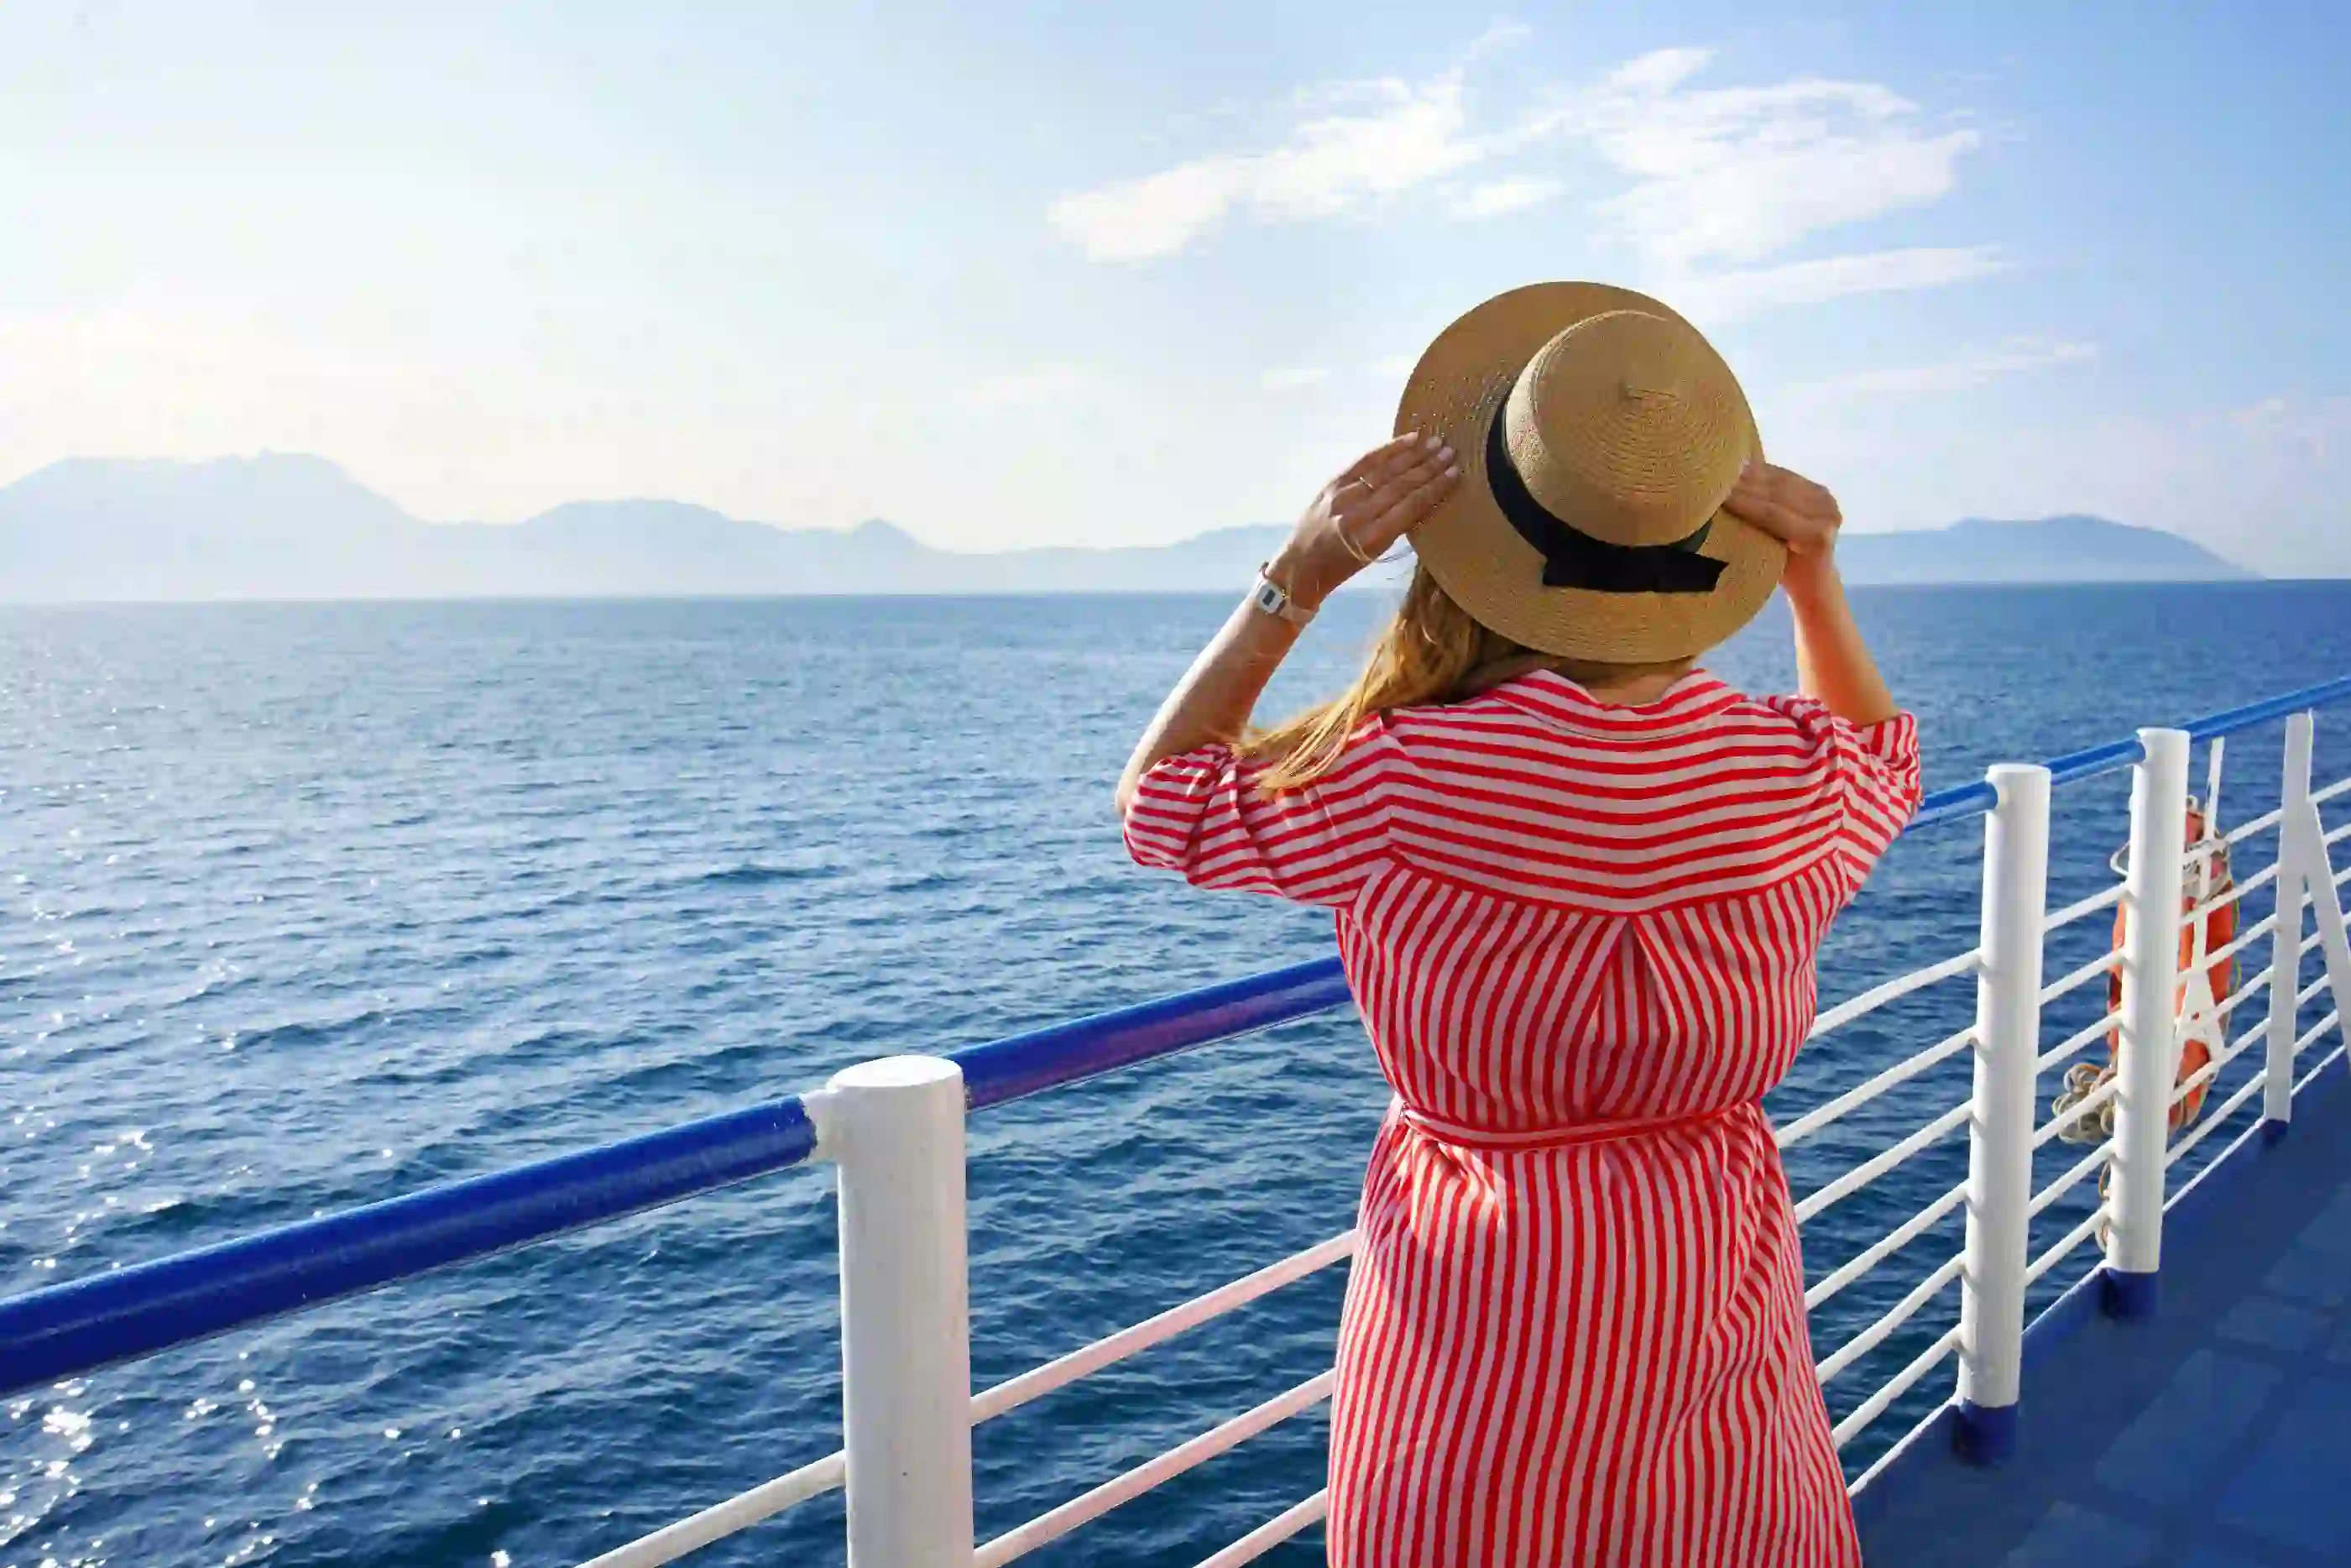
(305, 907)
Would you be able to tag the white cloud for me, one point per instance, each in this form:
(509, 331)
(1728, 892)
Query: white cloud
(1740, 174)
(1961, 371)
(1396, 367)
(1337, 163)
(1026, 388)
(1291, 379)
(1714, 180)
(1498, 197)
(1727, 296)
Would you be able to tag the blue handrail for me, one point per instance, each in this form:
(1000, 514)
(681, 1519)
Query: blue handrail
(66, 1330)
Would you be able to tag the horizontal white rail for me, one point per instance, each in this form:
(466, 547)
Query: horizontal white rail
(1870, 1170)
(2261, 824)
(1877, 1405)
(2230, 894)
(1886, 1246)
(1054, 1523)
(2246, 938)
(1895, 989)
(1909, 1067)
(2083, 908)
(2064, 1245)
(1015, 1392)
(2218, 1118)
(695, 1531)
(2075, 979)
(2219, 1063)
(2320, 797)
(2324, 1062)
(2064, 1183)
(1272, 1532)
(2337, 834)
(1893, 1318)
(2073, 1043)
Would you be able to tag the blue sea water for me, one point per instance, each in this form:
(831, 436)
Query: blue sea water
(306, 907)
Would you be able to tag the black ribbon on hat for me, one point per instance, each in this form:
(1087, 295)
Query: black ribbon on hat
(1573, 559)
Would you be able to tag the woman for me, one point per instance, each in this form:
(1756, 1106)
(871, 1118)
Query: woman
(1579, 887)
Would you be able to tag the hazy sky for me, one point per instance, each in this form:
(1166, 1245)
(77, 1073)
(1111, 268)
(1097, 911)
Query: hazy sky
(1121, 272)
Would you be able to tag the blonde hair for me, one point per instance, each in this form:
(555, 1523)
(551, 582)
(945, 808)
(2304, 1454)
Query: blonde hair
(1430, 652)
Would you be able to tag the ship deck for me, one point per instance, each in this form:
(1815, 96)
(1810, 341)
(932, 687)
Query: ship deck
(2214, 1434)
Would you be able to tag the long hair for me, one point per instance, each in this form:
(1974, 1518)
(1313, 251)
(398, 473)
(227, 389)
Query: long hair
(1429, 653)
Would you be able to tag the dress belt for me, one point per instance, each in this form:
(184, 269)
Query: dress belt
(1462, 1136)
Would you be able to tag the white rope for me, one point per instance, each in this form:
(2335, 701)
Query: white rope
(1870, 1170)
(2072, 1043)
(1272, 1532)
(2065, 1244)
(695, 1531)
(1820, 1116)
(1901, 986)
(1054, 1523)
(2064, 1183)
(1893, 1242)
(1870, 1409)
(2073, 1113)
(1900, 1313)
(2081, 977)
(1015, 1392)
(2090, 905)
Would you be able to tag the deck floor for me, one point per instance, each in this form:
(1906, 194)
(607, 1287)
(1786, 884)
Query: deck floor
(2216, 1434)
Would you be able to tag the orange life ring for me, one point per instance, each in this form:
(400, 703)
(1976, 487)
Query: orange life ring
(2206, 880)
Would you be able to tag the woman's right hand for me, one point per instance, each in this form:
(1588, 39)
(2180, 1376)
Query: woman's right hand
(1357, 516)
(1787, 506)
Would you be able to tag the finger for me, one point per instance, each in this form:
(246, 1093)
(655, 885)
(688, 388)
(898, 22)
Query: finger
(1406, 443)
(1371, 502)
(1394, 464)
(1408, 510)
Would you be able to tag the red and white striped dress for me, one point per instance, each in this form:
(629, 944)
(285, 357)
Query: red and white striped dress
(1582, 938)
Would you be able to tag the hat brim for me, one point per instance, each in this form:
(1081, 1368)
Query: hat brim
(1482, 561)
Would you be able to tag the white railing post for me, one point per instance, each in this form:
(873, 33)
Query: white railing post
(2000, 1130)
(896, 1127)
(2286, 937)
(2158, 841)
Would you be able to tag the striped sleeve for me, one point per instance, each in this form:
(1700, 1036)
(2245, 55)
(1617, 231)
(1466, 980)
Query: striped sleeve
(1202, 814)
(1871, 774)
(1877, 773)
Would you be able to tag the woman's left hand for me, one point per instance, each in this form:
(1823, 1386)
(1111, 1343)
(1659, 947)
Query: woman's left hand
(1354, 519)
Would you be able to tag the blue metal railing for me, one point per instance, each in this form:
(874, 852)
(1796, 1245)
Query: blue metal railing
(66, 1330)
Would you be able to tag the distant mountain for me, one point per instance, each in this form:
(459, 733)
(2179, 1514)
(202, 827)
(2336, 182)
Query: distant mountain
(288, 527)
(2048, 549)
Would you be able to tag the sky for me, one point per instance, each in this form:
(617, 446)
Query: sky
(1120, 273)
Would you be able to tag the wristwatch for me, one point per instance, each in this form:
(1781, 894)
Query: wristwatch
(1274, 600)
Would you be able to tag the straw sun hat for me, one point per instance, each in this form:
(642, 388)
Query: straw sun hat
(1599, 435)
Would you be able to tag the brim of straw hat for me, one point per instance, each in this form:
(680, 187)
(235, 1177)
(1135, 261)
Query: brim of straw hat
(1493, 573)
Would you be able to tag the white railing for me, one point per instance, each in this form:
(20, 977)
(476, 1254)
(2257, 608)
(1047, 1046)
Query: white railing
(896, 1129)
